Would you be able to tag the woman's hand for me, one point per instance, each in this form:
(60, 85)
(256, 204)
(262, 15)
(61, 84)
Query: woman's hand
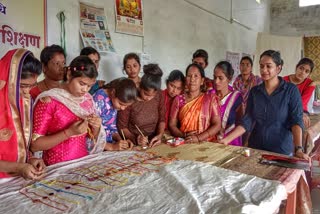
(94, 122)
(142, 140)
(223, 141)
(187, 134)
(77, 128)
(124, 145)
(192, 139)
(38, 164)
(119, 146)
(28, 171)
(300, 154)
(156, 140)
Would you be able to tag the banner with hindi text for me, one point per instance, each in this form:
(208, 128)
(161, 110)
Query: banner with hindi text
(22, 25)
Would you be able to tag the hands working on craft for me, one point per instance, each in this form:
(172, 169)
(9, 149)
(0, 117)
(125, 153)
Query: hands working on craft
(192, 137)
(94, 122)
(35, 169)
(77, 128)
(81, 127)
(144, 142)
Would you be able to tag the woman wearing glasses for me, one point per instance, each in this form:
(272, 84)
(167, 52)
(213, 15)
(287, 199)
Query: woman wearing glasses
(18, 67)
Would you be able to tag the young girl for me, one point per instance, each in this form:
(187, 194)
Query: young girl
(131, 65)
(230, 100)
(94, 55)
(175, 85)
(53, 60)
(65, 125)
(144, 121)
(19, 70)
(246, 80)
(273, 113)
(115, 96)
(301, 78)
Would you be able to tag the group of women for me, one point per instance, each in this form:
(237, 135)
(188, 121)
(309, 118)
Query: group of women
(71, 114)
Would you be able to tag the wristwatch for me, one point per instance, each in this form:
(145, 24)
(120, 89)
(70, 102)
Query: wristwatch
(298, 147)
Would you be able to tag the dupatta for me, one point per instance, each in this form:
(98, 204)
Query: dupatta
(16, 114)
(81, 107)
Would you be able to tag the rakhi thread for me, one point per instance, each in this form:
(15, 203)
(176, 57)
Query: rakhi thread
(45, 198)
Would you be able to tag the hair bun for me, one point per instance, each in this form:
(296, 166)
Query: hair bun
(152, 69)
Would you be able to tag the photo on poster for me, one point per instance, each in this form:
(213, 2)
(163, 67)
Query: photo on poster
(129, 17)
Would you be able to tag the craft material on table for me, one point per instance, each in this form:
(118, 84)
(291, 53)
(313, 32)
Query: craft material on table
(139, 182)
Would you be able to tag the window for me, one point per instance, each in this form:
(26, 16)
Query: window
(304, 3)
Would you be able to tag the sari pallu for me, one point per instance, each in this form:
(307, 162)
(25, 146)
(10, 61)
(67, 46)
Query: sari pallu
(54, 111)
(15, 123)
(197, 114)
(230, 103)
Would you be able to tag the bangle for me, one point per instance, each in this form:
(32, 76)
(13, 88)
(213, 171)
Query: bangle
(65, 133)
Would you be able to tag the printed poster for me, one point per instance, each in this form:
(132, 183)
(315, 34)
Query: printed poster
(22, 25)
(129, 17)
(94, 28)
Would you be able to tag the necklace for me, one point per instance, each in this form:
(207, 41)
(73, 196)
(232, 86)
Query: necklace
(47, 86)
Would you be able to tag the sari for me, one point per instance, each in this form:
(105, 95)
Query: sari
(228, 106)
(54, 111)
(245, 87)
(16, 114)
(195, 115)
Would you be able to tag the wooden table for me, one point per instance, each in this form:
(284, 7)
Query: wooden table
(231, 157)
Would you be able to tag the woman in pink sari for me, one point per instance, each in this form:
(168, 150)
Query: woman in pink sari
(230, 100)
(195, 114)
(19, 70)
(66, 126)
